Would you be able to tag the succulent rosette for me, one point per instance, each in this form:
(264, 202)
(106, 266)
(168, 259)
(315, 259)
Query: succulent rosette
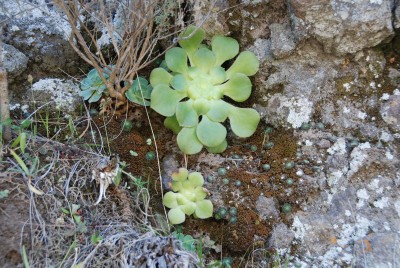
(191, 94)
(188, 197)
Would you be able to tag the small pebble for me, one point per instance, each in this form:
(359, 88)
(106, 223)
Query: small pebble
(254, 180)
(324, 144)
(354, 143)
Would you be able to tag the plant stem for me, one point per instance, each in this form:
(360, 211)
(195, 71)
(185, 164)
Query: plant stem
(4, 100)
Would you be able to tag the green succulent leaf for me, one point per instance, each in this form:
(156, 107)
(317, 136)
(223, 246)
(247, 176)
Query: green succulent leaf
(86, 94)
(188, 141)
(218, 149)
(96, 96)
(204, 209)
(238, 87)
(246, 63)
(218, 75)
(164, 99)
(173, 124)
(176, 186)
(225, 48)
(188, 208)
(176, 59)
(169, 200)
(243, 121)
(196, 179)
(160, 76)
(179, 82)
(191, 44)
(201, 106)
(219, 111)
(139, 86)
(210, 133)
(204, 59)
(186, 115)
(176, 216)
(181, 175)
(199, 193)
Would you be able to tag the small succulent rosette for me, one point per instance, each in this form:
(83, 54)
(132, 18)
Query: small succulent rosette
(191, 94)
(188, 197)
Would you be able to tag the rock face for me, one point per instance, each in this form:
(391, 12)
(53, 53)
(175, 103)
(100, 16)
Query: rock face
(331, 65)
(344, 26)
(14, 61)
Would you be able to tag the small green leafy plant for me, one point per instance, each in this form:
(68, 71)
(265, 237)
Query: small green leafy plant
(188, 197)
(191, 96)
(93, 88)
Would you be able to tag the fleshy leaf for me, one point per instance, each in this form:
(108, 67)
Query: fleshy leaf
(201, 106)
(176, 216)
(196, 179)
(238, 87)
(225, 48)
(160, 76)
(86, 94)
(176, 59)
(179, 82)
(204, 59)
(210, 133)
(188, 208)
(176, 186)
(96, 96)
(246, 63)
(139, 92)
(186, 115)
(169, 200)
(164, 99)
(172, 123)
(218, 149)
(204, 209)
(188, 141)
(243, 121)
(199, 193)
(219, 111)
(181, 175)
(218, 75)
(191, 44)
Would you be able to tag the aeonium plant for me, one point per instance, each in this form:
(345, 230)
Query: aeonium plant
(188, 197)
(191, 94)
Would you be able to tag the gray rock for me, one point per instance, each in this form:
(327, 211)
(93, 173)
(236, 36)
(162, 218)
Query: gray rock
(282, 42)
(324, 144)
(15, 62)
(55, 94)
(281, 237)
(378, 250)
(394, 76)
(170, 165)
(266, 207)
(390, 112)
(37, 30)
(345, 26)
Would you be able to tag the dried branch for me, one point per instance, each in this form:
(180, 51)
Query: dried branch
(132, 32)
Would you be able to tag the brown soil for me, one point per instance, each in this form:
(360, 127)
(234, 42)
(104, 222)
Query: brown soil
(250, 231)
